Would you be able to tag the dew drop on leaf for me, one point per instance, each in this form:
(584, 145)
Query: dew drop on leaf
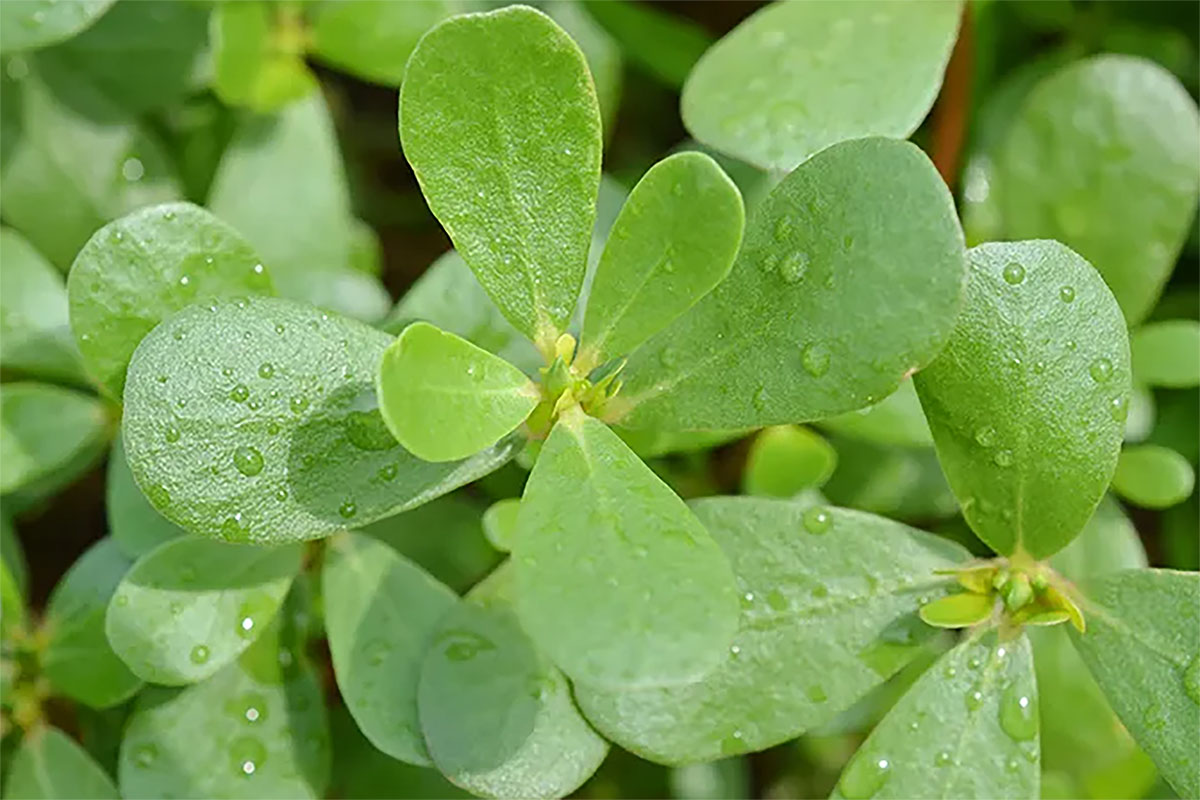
(298, 404)
(1191, 679)
(348, 509)
(145, 755)
(864, 777)
(986, 436)
(377, 651)
(783, 229)
(1101, 370)
(239, 393)
(465, 645)
(760, 398)
(1003, 458)
(1119, 408)
(247, 755)
(172, 434)
(943, 759)
(266, 369)
(1067, 294)
(974, 699)
(816, 694)
(1013, 273)
(815, 359)
(387, 472)
(776, 600)
(1018, 714)
(817, 520)
(199, 654)
(248, 461)
(793, 267)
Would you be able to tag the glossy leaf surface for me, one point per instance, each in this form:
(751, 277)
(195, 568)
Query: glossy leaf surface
(133, 523)
(50, 765)
(1167, 353)
(1153, 476)
(785, 460)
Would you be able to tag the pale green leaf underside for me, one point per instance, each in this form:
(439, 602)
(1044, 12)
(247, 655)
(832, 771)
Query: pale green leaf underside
(968, 728)
(444, 398)
(265, 428)
(1143, 647)
(35, 329)
(248, 67)
(31, 24)
(192, 605)
(1167, 353)
(79, 661)
(133, 523)
(1027, 403)
(370, 39)
(44, 428)
(674, 240)
(799, 76)
(616, 579)
(497, 715)
(1153, 476)
(829, 601)
(49, 765)
(499, 120)
(137, 271)
(381, 611)
(1116, 178)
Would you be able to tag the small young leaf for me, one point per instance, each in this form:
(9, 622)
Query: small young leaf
(1115, 179)
(797, 77)
(785, 460)
(255, 64)
(370, 39)
(1167, 353)
(247, 732)
(30, 24)
(500, 523)
(380, 615)
(895, 421)
(49, 765)
(265, 427)
(1028, 400)
(1152, 476)
(967, 728)
(785, 337)
(35, 330)
(1108, 543)
(500, 122)
(79, 661)
(444, 398)
(137, 271)
(829, 602)
(133, 523)
(960, 610)
(674, 240)
(43, 429)
(1143, 647)
(497, 715)
(192, 605)
(616, 579)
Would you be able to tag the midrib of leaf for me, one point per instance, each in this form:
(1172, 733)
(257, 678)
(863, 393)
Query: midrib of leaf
(989, 672)
(525, 388)
(837, 606)
(1138, 636)
(596, 346)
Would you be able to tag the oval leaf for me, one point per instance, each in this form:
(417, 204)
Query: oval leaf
(444, 398)
(30, 24)
(958, 610)
(500, 523)
(1108, 543)
(674, 240)
(833, 301)
(1167, 353)
(49, 765)
(897, 421)
(373, 40)
(192, 605)
(797, 77)
(35, 329)
(44, 429)
(787, 459)
(265, 427)
(1153, 476)
(1028, 401)
(500, 123)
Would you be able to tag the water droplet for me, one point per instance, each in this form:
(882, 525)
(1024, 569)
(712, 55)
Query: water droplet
(815, 359)
(168, 215)
(668, 357)
(1013, 765)
(974, 662)
(776, 600)
(132, 169)
(1013, 273)
(199, 654)
(185, 281)
(248, 461)
(209, 261)
(1067, 294)
(783, 229)
(176, 607)
(1039, 367)
(864, 777)
(247, 755)
(281, 495)
(239, 393)
(1018, 714)
(816, 694)
(172, 434)
(1003, 458)
(793, 267)
(232, 530)
(817, 520)
(1191, 679)
(769, 263)
(1071, 344)
(1101, 370)
(348, 509)
(298, 404)
(387, 472)
(266, 369)
(943, 759)
(377, 651)
(760, 398)
(950, 671)
(733, 743)
(986, 436)
(118, 236)
(273, 428)
(1119, 408)
(974, 699)
(145, 755)
(463, 645)
(280, 328)
(735, 650)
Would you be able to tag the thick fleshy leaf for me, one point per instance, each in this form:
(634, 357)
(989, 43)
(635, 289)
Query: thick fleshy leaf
(797, 77)
(35, 329)
(785, 460)
(79, 661)
(833, 301)
(658, 42)
(1028, 400)
(30, 24)
(967, 729)
(651, 443)
(674, 240)
(133, 523)
(897, 420)
(49, 765)
(1116, 179)
(1143, 630)
(1108, 543)
(137, 271)
(444, 398)
(256, 729)
(500, 123)
(258, 60)
(192, 605)
(1153, 476)
(497, 715)
(829, 602)
(373, 40)
(603, 55)
(265, 428)
(500, 523)
(616, 579)
(1167, 353)
(44, 429)
(381, 612)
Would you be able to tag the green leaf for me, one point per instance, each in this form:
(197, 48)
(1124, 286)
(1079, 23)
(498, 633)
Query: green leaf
(1028, 400)
(500, 523)
(603, 56)
(1144, 631)
(250, 733)
(1167, 353)
(833, 301)
(191, 606)
(49, 765)
(13, 616)
(674, 240)
(960, 610)
(444, 398)
(652, 443)
(13, 555)
(497, 715)
(658, 42)
(30, 24)
(133, 523)
(715, 780)
(967, 728)
(829, 602)
(1152, 476)
(257, 60)
(79, 661)
(797, 77)
(44, 429)
(35, 332)
(373, 40)
(381, 612)
(616, 579)
(1125, 152)
(1108, 543)
(785, 460)
(500, 123)
(266, 430)
(137, 271)
(897, 420)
